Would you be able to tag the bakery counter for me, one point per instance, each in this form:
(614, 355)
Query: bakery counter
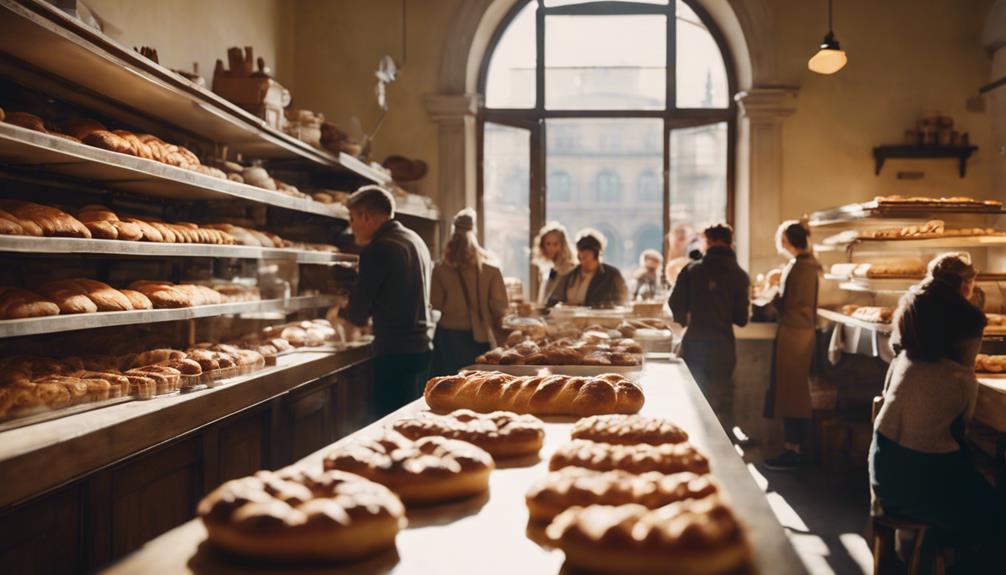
(43, 456)
(491, 533)
(990, 407)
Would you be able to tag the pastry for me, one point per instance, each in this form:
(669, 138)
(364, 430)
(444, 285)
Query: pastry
(639, 458)
(17, 303)
(26, 120)
(872, 314)
(155, 356)
(501, 433)
(576, 486)
(487, 391)
(428, 470)
(628, 429)
(990, 363)
(690, 537)
(297, 514)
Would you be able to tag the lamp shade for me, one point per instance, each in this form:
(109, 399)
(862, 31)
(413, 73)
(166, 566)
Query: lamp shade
(827, 61)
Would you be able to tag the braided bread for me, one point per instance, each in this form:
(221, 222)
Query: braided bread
(639, 458)
(628, 429)
(501, 433)
(694, 536)
(487, 391)
(300, 514)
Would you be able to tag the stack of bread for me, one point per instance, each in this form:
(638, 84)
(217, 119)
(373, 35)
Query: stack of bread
(98, 222)
(592, 347)
(82, 295)
(630, 494)
(94, 133)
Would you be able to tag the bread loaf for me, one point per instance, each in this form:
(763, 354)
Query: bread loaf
(26, 120)
(162, 294)
(28, 227)
(137, 299)
(17, 303)
(53, 222)
(82, 127)
(487, 391)
(68, 296)
(108, 141)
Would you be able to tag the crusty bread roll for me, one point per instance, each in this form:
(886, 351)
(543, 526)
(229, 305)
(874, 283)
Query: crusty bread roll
(53, 222)
(155, 356)
(102, 230)
(628, 429)
(639, 458)
(501, 433)
(28, 227)
(104, 296)
(150, 233)
(26, 120)
(137, 299)
(576, 486)
(10, 226)
(68, 296)
(297, 514)
(81, 127)
(690, 537)
(430, 469)
(162, 294)
(17, 303)
(487, 391)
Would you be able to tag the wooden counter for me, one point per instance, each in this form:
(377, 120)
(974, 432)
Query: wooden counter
(490, 534)
(42, 456)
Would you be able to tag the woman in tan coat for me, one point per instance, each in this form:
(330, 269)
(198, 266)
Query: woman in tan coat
(470, 296)
(788, 394)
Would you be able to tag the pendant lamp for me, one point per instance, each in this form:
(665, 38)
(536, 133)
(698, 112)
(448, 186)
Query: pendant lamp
(830, 58)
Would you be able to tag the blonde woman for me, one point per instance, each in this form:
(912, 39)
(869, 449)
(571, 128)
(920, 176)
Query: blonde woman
(470, 296)
(554, 258)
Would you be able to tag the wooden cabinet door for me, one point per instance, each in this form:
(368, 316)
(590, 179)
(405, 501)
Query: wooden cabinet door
(42, 536)
(308, 423)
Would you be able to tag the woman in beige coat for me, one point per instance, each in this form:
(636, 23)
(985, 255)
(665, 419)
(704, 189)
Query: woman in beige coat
(470, 296)
(788, 394)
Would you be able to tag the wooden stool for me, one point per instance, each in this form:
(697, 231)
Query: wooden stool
(885, 557)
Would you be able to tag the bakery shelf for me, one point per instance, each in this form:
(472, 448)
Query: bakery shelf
(60, 323)
(873, 211)
(22, 148)
(961, 153)
(831, 315)
(114, 79)
(33, 245)
(887, 246)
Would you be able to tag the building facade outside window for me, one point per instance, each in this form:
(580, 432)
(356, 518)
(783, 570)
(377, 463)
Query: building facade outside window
(595, 123)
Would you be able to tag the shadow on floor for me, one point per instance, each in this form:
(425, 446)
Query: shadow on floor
(825, 512)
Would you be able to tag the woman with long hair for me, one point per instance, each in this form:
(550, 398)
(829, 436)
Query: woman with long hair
(919, 463)
(788, 395)
(553, 257)
(470, 296)
(592, 283)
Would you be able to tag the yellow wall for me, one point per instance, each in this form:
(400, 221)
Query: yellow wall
(338, 45)
(905, 56)
(187, 31)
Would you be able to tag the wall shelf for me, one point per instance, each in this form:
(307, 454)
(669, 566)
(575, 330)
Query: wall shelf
(961, 153)
(60, 323)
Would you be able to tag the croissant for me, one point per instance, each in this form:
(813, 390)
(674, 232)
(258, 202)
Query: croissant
(487, 391)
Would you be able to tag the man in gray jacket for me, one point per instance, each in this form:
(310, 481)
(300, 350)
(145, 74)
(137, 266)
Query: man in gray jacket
(710, 296)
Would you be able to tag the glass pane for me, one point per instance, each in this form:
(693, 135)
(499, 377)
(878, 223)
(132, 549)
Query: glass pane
(605, 174)
(550, 3)
(701, 75)
(510, 77)
(505, 200)
(699, 175)
(591, 64)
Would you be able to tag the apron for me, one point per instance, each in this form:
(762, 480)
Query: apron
(789, 388)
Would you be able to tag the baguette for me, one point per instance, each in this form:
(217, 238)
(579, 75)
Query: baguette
(150, 233)
(68, 296)
(53, 222)
(162, 294)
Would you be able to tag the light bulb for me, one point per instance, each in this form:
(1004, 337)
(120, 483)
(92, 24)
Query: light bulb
(827, 60)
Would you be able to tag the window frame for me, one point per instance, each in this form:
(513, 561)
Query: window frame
(534, 119)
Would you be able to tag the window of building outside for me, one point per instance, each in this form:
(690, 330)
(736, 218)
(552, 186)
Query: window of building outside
(612, 114)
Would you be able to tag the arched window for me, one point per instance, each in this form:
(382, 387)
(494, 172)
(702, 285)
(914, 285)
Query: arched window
(607, 92)
(607, 186)
(560, 186)
(648, 187)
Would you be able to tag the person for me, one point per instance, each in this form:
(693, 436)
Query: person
(788, 395)
(709, 298)
(470, 295)
(919, 464)
(592, 283)
(680, 239)
(649, 279)
(553, 257)
(393, 287)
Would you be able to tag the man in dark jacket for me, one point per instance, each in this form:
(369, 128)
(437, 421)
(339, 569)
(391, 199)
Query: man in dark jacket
(394, 288)
(709, 298)
(592, 283)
